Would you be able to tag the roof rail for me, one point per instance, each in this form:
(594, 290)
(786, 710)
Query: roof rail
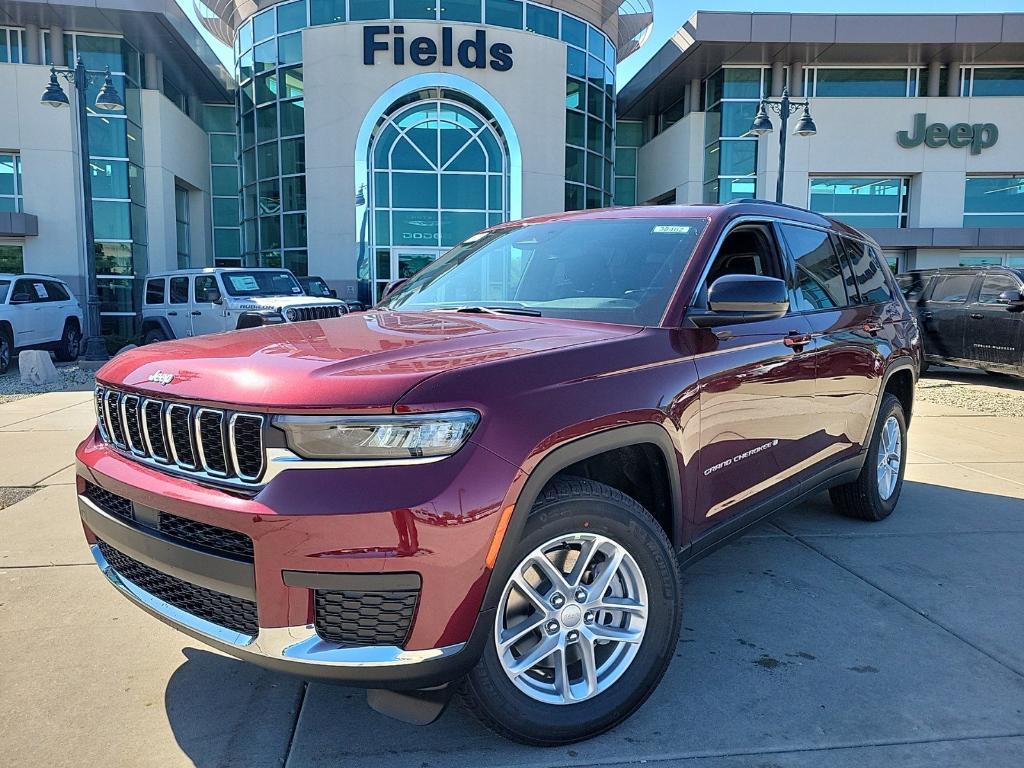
(770, 202)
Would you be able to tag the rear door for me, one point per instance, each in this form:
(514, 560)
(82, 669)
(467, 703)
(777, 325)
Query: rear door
(178, 309)
(995, 331)
(207, 315)
(61, 306)
(944, 319)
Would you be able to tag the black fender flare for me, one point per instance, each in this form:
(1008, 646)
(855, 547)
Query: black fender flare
(258, 319)
(161, 323)
(565, 456)
(902, 363)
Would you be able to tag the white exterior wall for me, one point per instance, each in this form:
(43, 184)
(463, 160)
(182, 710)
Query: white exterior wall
(340, 90)
(176, 150)
(46, 139)
(673, 160)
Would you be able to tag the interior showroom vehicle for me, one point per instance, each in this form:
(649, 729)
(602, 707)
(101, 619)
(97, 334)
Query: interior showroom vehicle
(487, 484)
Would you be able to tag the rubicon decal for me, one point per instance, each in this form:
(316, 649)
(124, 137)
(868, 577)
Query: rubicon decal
(740, 457)
(471, 53)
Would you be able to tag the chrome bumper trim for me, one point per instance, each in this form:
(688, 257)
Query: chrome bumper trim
(298, 645)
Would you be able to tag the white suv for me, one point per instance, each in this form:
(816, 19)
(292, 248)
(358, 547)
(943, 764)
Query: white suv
(38, 312)
(193, 302)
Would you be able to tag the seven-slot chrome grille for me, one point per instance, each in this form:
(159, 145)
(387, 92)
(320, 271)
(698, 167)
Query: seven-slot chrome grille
(324, 312)
(206, 442)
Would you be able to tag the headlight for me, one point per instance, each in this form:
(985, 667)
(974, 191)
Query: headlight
(378, 437)
(292, 315)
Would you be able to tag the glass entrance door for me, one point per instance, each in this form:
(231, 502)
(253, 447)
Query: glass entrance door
(404, 263)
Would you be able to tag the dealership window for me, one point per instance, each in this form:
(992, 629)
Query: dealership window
(862, 201)
(628, 138)
(12, 258)
(182, 228)
(11, 45)
(980, 261)
(861, 81)
(10, 183)
(219, 122)
(992, 81)
(731, 99)
(994, 201)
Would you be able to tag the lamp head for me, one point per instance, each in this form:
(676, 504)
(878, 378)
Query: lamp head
(54, 95)
(762, 125)
(805, 125)
(108, 98)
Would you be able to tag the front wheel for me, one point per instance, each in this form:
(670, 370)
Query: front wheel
(587, 621)
(153, 336)
(873, 495)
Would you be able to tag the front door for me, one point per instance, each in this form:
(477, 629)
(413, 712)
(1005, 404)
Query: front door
(945, 314)
(406, 262)
(995, 332)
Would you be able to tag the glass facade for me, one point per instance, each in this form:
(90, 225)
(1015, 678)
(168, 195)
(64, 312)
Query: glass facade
(731, 99)
(10, 183)
(992, 81)
(12, 45)
(862, 201)
(219, 123)
(271, 113)
(994, 201)
(873, 82)
(629, 136)
(183, 233)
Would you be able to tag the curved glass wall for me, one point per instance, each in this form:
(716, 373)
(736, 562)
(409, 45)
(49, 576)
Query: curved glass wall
(438, 173)
(271, 109)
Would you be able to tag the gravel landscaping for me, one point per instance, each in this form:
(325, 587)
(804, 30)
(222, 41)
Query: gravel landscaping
(973, 390)
(72, 379)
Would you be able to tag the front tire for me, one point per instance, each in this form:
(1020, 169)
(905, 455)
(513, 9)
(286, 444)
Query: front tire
(587, 622)
(873, 495)
(153, 336)
(70, 345)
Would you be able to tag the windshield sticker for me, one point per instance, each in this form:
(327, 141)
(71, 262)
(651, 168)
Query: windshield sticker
(243, 282)
(670, 229)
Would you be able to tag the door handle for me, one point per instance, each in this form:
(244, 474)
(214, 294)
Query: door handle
(977, 316)
(872, 327)
(172, 314)
(929, 315)
(196, 313)
(797, 340)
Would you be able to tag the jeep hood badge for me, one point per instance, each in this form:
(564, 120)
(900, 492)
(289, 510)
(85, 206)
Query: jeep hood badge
(161, 378)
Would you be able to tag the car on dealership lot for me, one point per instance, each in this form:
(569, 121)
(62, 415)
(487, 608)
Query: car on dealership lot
(194, 302)
(313, 285)
(38, 312)
(489, 481)
(970, 316)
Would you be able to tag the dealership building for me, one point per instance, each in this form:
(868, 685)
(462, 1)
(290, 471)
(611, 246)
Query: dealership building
(359, 139)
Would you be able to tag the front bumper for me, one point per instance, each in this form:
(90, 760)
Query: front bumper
(327, 544)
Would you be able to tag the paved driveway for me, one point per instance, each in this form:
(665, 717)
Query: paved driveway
(812, 641)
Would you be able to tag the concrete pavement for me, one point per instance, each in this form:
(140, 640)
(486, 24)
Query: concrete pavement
(815, 640)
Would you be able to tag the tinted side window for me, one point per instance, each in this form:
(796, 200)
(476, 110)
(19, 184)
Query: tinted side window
(819, 273)
(993, 285)
(155, 291)
(207, 291)
(952, 288)
(25, 291)
(179, 290)
(869, 272)
(57, 291)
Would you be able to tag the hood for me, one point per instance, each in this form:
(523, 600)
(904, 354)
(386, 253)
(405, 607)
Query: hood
(363, 361)
(279, 302)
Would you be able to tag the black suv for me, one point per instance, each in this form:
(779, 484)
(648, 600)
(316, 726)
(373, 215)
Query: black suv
(971, 316)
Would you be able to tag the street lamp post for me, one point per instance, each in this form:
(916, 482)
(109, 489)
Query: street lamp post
(783, 107)
(108, 99)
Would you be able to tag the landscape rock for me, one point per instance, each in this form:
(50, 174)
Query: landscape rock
(37, 368)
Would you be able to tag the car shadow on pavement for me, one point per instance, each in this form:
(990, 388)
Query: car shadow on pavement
(785, 632)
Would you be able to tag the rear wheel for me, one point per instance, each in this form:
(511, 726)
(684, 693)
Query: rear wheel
(873, 495)
(587, 621)
(70, 345)
(153, 335)
(6, 350)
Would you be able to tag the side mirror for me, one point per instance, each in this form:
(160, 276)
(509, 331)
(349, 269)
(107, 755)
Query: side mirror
(393, 286)
(212, 297)
(332, 292)
(1012, 299)
(743, 299)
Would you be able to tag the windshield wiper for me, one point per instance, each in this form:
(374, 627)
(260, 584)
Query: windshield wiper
(493, 310)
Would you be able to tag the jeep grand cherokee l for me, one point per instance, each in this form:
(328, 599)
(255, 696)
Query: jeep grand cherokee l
(490, 481)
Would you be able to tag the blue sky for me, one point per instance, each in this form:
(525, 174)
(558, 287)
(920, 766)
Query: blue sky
(670, 14)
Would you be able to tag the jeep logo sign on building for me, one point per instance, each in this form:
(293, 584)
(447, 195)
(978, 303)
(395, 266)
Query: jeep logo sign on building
(978, 136)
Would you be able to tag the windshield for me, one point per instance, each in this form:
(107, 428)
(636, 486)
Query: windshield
(4, 286)
(606, 270)
(261, 283)
(317, 287)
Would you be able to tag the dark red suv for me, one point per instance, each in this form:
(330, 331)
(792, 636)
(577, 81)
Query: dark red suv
(493, 478)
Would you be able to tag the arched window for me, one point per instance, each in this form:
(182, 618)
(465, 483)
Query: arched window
(439, 173)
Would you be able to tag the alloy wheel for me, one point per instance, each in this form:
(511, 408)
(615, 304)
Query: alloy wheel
(890, 456)
(571, 618)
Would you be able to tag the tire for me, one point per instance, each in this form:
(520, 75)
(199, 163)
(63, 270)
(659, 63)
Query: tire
(70, 345)
(153, 335)
(583, 511)
(866, 498)
(6, 351)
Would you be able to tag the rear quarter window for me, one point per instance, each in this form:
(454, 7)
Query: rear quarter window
(155, 291)
(952, 288)
(870, 272)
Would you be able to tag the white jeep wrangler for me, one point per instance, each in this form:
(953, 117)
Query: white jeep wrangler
(192, 302)
(38, 312)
